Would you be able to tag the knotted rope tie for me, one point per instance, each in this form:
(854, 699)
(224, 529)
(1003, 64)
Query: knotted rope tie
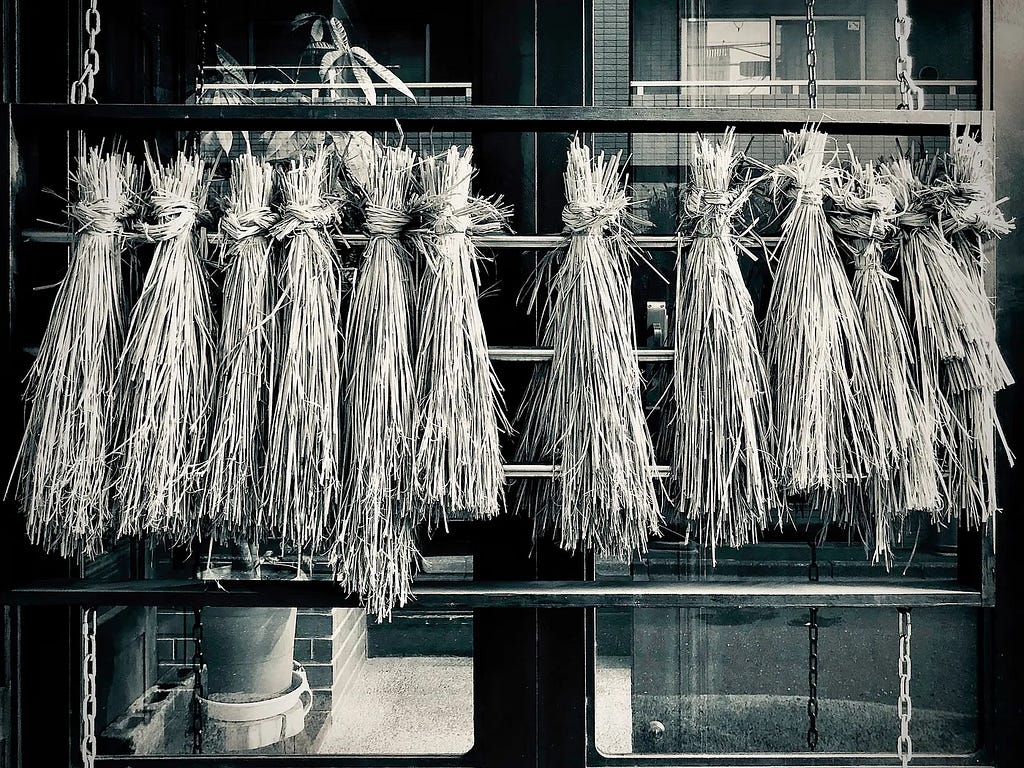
(449, 222)
(710, 211)
(257, 222)
(861, 226)
(590, 218)
(384, 222)
(808, 195)
(870, 260)
(913, 220)
(99, 217)
(176, 216)
(298, 217)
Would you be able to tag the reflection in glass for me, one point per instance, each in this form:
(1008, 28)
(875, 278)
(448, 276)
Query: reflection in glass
(735, 680)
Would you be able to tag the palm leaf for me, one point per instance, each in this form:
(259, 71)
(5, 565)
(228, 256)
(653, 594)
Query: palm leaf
(339, 34)
(365, 83)
(383, 72)
(328, 61)
(317, 30)
(303, 18)
(232, 69)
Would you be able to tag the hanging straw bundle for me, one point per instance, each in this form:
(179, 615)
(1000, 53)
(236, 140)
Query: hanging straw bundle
(245, 351)
(721, 464)
(64, 476)
(944, 312)
(166, 371)
(814, 342)
(970, 216)
(584, 414)
(375, 551)
(460, 474)
(302, 473)
(906, 472)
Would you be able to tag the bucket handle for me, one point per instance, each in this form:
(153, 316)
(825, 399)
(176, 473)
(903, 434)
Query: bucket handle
(305, 693)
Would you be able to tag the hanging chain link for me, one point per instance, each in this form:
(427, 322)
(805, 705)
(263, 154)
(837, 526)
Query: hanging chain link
(812, 680)
(812, 654)
(812, 57)
(201, 51)
(88, 745)
(904, 745)
(911, 94)
(82, 89)
(198, 691)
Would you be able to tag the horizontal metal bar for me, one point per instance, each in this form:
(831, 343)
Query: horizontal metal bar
(126, 117)
(500, 242)
(543, 354)
(548, 470)
(790, 83)
(284, 761)
(249, 87)
(787, 760)
(464, 595)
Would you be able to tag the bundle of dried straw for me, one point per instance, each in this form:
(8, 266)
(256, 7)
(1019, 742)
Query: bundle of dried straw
(814, 342)
(302, 475)
(460, 474)
(233, 487)
(165, 373)
(948, 320)
(721, 464)
(584, 412)
(63, 471)
(905, 475)
(970, 217)
(375, 551)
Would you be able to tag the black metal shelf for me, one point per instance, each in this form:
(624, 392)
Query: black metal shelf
(466, 595)
(126, 117)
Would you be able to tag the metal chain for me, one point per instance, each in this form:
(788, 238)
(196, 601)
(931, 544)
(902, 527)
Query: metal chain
(198, 691)
(812, 57)
(813, 572)
(88, 745)
(812, 654)
(812, 680)
(201, 51)
(904, 745)
(911, 94)
(82, 89)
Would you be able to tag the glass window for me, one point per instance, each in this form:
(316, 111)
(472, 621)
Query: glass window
(735, 681)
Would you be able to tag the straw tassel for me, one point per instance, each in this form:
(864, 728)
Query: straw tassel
(375, 549)
(970, 216)
(234, 478)
(460, 474)
(722, 468)
(166, 370)
(906, 474)
(63, 472)
(814, 344)
(584, 412)
(303, 470)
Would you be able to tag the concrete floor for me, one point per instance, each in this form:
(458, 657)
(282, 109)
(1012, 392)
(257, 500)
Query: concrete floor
(424, 705)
